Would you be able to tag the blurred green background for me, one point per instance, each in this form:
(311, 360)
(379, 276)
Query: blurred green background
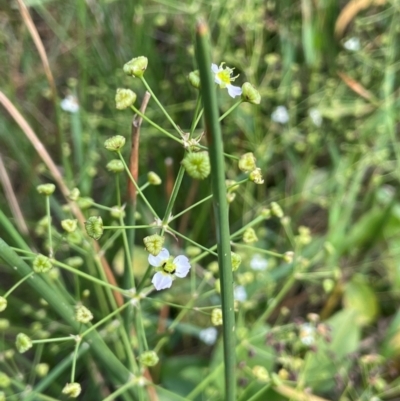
(325, 136)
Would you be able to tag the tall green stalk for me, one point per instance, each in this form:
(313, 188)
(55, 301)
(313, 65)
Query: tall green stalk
(214, 139)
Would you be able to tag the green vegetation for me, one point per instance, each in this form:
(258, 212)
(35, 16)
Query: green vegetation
(310, 171)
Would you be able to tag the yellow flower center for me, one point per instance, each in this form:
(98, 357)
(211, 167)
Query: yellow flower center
(168, 266)
(225, 75)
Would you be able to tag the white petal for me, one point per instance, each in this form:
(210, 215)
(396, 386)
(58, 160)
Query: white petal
(240, 294)
(158, 260)
(162, 281)
(214, 68)
(234, 90)
(182, 266)
(209, 335)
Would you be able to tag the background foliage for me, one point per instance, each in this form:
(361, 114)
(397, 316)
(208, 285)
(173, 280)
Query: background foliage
(333, 167)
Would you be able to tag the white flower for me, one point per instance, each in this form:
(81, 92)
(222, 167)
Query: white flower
(352, 44)
(70, 103)
(223, 77)
(315, 116)
(257, 262)
(280, 115)
(307, 334)
(209, 335)
(168, 268)
(240, 294)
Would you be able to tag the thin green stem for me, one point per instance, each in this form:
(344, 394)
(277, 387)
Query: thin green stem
(229, 111)
(137, 187)
(234, 235)
(89, 277)
(254, 248)
(178, 130)
(156, 126)
(144, 186)
(49, 226)
(126, 227)
(53, 340)
(74, 358)
(108, 317)
(120, 391)
(17, 284)
(192, 242)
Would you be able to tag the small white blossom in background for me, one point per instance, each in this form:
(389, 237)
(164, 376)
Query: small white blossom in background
(209, 335)
(223, 77)
(70, 104)
(240, 294)
(280, 115)
(307, 334)
(352, 44)
(257, 262)
(315, 116)
(168, 268)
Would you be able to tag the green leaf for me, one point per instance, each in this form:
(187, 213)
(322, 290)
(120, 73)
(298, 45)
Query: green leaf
(360, 297)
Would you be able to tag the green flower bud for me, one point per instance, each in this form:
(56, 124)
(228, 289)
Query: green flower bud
(216, 317)
(230, 185)
(75, 238)
(115, 166)
(261, 374)
(4, 324)
(42, 369)
(197, 165)
(153, 178)
(236, 261)
(41, 264)
(83, 314)
(94, 227)
(124, 98)
(74, 261)
(115, 143)
(72, 390)
(194, 79)
(213, 267)
(328, 285)
(256, 176)
(249, 236)
(54, 274)
(217, 285)
(5, 381)
(276, 210)
(154, 244)
(9, 354)
(136, 67)
(247, 162)
(288, 257)
(85, 202)
(149, 358)
(266, 213)
(23, 343)
(3, 304)
(230, 197)
(46, 189)
(117, 212)
(250, 93)
(86, 293)
(69, 225)
(74, 194)
(192, 251)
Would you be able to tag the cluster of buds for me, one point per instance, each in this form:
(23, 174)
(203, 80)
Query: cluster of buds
(247, 164)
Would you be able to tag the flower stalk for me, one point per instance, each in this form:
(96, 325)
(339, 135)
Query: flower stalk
(214, 138)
